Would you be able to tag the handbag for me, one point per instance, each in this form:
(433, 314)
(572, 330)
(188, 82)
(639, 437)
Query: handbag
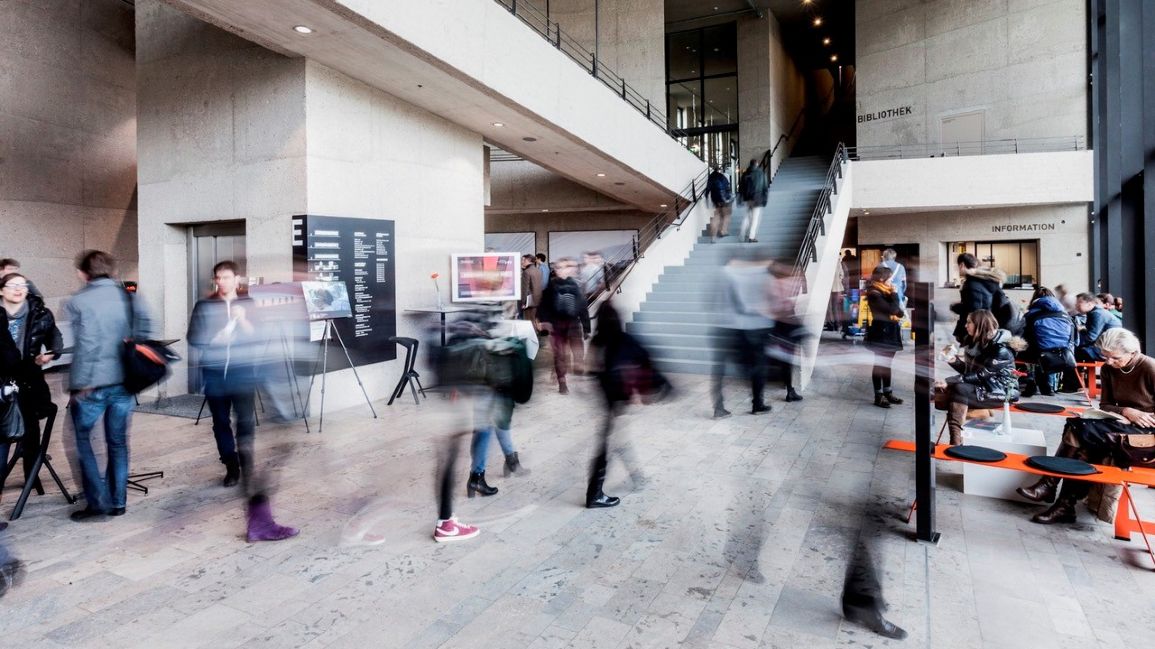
(11, 419)
(1140, 448)
(145, 361)
(1057, 360)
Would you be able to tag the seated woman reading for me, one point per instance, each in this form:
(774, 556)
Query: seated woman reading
(1126, 440)
(986, 371)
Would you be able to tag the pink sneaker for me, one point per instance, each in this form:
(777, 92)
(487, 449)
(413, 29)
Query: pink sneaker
(451, 530)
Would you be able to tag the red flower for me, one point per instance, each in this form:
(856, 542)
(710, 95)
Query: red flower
(435, 275)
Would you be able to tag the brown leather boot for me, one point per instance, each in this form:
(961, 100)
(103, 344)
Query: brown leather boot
(1063, 511)
(1042, 491)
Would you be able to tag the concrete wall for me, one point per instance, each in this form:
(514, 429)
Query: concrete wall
(543, 224)
(975, 181)
(67, 137)
(771, 89)
(231, 131)
(221, 136)
(631, 39)
(1062, 251)
(1023, 62)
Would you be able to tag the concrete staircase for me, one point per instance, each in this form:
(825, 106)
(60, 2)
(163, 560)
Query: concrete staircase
(676, 320)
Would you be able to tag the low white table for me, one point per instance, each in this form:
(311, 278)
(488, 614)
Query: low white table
(992, 482)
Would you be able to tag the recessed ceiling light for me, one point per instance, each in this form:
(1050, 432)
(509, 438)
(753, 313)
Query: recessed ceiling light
(301, 29)
(619, 183)
(600, 175)
(826, 41)
(833, 58)
(818, 21)
(545, 210)
(866, 212)
(662, 205)
(529, 139)
(498, 124)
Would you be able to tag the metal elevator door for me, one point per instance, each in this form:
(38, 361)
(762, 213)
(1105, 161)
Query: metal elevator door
(210, 244)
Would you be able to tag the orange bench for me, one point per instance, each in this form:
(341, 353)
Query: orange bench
(1125, 525)
(1091, 383)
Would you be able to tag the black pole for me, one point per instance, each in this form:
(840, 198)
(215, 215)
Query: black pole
(922, 316)
(597, 11)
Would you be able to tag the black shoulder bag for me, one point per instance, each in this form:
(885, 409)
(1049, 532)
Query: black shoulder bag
(145, 361)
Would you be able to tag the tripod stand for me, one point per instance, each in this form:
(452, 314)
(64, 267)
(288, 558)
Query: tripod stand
(323, 359)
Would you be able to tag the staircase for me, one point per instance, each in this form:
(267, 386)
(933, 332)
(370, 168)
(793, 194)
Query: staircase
(676, 321)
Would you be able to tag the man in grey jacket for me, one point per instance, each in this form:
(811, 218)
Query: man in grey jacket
(100, 314)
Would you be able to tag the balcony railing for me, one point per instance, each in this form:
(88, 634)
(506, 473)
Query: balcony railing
(955, 149)
(538, 21)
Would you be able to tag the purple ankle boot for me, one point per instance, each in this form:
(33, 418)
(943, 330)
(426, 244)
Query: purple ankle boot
(262, 527)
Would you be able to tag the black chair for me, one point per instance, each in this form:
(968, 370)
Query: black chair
(409, 376)
(43, 459)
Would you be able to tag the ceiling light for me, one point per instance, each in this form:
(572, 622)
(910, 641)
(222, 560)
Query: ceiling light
(529, 139)
(545, 210)
(498, 124)
(826, 41)
(867, 212)
(806, 2)
(662, 205)
(301, 29)
(833, 58)
(600, 175)
(818, 21)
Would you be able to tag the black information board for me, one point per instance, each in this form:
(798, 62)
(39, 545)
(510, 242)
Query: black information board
(361, 254)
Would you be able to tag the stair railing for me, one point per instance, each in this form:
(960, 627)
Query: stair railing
(808, 252)
(674, 216)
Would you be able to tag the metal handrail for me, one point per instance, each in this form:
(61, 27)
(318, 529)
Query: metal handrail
(817, 226)
(618, 269)
(975, 147)
(564, 43)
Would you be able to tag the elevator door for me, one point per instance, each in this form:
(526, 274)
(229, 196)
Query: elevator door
(209, 245)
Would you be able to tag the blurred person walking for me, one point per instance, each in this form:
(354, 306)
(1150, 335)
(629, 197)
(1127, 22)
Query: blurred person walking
(754, 189)
(32, 341)
(543, 266)
(742, 329)
(898, 273)
(721, 196)
(563, 308)
(103, 316)
(884, 335)
(223, 329)
(11, 569)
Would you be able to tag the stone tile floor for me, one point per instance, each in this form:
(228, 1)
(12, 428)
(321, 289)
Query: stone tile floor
(736, 537)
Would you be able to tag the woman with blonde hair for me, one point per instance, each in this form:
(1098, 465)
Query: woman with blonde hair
(986, 371)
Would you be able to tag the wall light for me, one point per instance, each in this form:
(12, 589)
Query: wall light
(826, 41)
(818, 21)
(301, 29)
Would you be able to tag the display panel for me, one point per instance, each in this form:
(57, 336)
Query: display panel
(486, 277)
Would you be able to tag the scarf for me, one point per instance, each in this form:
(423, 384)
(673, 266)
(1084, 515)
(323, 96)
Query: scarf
(887, 290)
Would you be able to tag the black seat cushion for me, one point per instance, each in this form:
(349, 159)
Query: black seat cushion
(975, 453)
(1063, 465)
(1041, 408)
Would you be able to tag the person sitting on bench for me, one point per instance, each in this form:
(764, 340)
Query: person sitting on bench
(1129, 440)
(986, 370)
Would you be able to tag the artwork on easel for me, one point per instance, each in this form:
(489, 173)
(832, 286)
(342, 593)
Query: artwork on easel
(326, 300)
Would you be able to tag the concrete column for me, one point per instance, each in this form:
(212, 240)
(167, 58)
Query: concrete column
(771, 90)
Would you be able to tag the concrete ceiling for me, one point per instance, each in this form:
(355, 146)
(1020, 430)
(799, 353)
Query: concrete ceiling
(394, 66)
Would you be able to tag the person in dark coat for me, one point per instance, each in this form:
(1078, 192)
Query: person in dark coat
(1048, 328)
(531, 289)
(564, 309)
(754, 189)
(884, 335)
(986, 371)
(979, 288)
(721, 196)
(29, 339)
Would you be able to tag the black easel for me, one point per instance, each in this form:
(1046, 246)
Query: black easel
(922, 324)
(42, 459)
(323, 360)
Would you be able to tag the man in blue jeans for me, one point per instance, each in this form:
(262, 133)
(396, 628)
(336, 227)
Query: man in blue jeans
(100, 314)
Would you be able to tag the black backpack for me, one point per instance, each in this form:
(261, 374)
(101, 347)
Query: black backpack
(1008, 313)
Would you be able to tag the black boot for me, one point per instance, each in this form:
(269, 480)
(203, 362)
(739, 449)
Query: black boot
(792, 395)
(880, 400)
(513, 465)
(889, 396)
(477, 485)
(1063, 511)
(871, 618)
(601, 501)
(232, 473)
(1042, 491)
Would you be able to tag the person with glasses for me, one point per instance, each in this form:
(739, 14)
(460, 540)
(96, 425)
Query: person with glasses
(9, 266)
(29, 339)
(1128, 394)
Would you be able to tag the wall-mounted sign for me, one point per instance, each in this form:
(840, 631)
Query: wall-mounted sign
(356, 258)
(1024, 227)
(889, 113)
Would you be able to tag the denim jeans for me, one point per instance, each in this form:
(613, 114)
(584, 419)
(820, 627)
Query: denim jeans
(114, 405)
(491, 412)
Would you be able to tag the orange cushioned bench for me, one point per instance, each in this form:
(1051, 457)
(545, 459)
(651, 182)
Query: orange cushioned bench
(1125, 525)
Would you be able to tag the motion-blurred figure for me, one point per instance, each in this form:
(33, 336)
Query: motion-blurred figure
(743, 327)
(788, 332)
(754, 189)
(11, 568)
(862, 600)
(721, 197)
(884, 335)
(626, 375)
(563, 308)
(532, 285)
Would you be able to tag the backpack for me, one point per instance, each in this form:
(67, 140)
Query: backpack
(565, 303)
(1008, 313)
(499, 363)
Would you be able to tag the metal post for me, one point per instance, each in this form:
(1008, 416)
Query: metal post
(648, 109)
(922, 316)
(597, 12)
(623, 88)
(513, 7)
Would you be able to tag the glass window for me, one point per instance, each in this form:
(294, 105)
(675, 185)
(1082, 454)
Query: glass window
(1018, 259)
(721, 105)
(683, 55)
(685, 105)
(719, 50)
